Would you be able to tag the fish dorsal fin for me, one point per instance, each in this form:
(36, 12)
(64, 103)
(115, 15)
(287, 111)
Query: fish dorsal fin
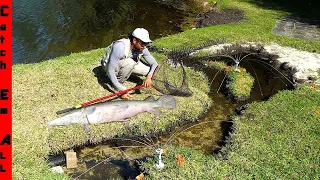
(150, 98)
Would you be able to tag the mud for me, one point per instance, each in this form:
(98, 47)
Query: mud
(216, 17)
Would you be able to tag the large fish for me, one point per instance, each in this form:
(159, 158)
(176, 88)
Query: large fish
(114, 111)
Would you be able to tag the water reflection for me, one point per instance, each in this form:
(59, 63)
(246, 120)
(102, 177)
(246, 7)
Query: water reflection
(44, 29)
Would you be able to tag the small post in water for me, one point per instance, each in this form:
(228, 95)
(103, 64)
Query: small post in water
(160, 163)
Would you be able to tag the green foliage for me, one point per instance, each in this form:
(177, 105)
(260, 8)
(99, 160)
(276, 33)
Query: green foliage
(256, 27)
(295, 7)
(195, 165)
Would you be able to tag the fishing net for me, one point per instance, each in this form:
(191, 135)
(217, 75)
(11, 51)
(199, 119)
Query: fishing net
(171, 77)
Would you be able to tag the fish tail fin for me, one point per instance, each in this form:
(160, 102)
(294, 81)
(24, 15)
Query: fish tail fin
(71, 118)
(167, 101)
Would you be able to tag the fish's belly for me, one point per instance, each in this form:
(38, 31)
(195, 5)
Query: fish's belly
(118, 115)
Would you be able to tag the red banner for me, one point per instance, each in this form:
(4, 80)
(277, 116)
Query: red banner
(5, 89)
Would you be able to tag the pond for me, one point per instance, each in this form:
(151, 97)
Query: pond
(44, 29)
(118, 159)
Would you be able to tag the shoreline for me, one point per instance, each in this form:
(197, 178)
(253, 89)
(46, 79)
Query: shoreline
(303, 64)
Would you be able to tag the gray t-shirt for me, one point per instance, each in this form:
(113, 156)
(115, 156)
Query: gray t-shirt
(117, 54)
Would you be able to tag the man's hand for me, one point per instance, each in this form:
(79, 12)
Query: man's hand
(126, 96)
(147, 82)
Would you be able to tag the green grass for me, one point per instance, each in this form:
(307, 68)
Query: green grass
(274, 138)
(43, 88)
(256, 27)
(239, 84)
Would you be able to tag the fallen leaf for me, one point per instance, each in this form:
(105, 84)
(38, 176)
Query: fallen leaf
(180, 160)
(140, 177)
(164, 151)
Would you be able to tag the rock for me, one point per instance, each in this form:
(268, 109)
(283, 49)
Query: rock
(57, 169)
(285, 66)
(301, 77)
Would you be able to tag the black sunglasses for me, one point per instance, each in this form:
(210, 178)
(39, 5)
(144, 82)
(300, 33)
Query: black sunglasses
(142, 43)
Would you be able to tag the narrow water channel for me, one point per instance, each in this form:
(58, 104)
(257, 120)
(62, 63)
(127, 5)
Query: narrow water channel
(114, 159)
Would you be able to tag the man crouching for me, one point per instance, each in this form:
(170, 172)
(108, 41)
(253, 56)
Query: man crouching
(123, 58)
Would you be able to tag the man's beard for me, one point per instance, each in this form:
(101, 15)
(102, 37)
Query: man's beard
(137, 49)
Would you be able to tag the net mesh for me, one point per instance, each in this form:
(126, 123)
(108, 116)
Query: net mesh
(171, 76)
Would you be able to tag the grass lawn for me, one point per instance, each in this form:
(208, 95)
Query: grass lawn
(43, 88)
(274, 139)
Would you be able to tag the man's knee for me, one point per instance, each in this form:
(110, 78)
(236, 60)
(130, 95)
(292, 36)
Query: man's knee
(125, 69)
(141, 69)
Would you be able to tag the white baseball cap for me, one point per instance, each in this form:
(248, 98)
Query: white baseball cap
(141, 34)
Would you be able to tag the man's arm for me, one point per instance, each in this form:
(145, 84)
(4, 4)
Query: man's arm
(151, 61)
(153, 65)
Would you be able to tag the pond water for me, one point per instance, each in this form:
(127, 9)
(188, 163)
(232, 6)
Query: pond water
(116, 159)
(44, 29)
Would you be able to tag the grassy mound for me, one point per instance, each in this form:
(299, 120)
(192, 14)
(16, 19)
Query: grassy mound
(256, 27)
(239, 82)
